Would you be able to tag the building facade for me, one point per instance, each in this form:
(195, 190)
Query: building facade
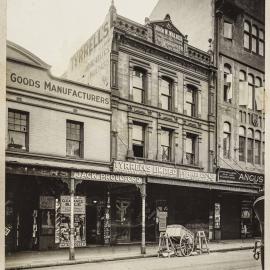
(238, 42)
(58, 131)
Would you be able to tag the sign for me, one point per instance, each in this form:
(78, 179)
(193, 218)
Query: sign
(46, 202)
(160, 171)
(105, 177)
(162, 221)
(39, 82)
(91, 63)
(240, 176)
(79, 205)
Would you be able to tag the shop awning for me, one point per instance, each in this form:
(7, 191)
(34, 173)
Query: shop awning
(205, 185)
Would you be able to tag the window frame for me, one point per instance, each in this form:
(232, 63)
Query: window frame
(242, 154)
(192, 159)
(227, 153)
(250, 151)
(194, 103)
(169, 147)
(134, 141)
(168, 96)
(26, 139)
(80, 141)
(135, 88)
(231, 30)
(248, 34)
(226, 85)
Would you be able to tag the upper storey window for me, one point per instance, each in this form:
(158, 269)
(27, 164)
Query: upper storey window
(253, 38)
(74, 139)
(166, 94)
(227, 89)
(138, 86)
(227, 30)
(191, 100)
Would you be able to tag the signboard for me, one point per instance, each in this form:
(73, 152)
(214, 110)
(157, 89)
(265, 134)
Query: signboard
(240, 176)
(162, 221)
(105, 177)
(91, 63)
(39, 82)
(79, 205)
(46, 202)
(160, 171)
(79, 221)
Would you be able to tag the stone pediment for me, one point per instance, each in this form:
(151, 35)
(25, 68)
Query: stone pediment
(168, 25)
(18, 53)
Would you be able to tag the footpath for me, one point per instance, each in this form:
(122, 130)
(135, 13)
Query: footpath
(36, 259)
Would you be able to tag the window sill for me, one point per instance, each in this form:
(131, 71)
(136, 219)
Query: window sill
(17, 150)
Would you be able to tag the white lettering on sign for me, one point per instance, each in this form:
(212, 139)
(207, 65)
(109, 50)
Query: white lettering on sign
(79, 205)
(105, 177)
(39, 82)
(152, 170)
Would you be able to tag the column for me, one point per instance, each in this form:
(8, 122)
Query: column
(71, 246)
(197, 157)
(143, 195)
(131, 82)
(159, 157)
(175, 96)
(130, 128)
(149, 88)
(184, 99)
(159, 91)
(149, 152)
(199, 99)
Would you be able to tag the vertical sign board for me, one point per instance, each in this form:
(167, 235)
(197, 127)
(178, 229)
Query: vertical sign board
(91, 63)
(79, 221)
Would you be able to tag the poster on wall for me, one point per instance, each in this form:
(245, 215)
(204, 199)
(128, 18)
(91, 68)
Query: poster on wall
(47, 222)
(79, 221)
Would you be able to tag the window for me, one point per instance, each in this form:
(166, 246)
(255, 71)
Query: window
(227, 30)
(259, 95)
(17, 129)
(261, 42)
(247, 36)
(191, 101)
(250, 146)
(166, 145)
(254, 39)
(243, 89)
(227, 92)
(251, 91)
(242, 144)
(138, 140)
(166, 92)
(257, 147)
(138, 86)
(226, 140)
(74, 146)
(190, 149)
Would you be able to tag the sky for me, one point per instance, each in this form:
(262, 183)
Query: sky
(54, 29)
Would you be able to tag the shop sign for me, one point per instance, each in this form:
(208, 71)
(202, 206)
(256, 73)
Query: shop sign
(39, 82)
(79, 205)
(105, 177)
(240, 176)
(161, 171)
(46, 202)
(162, 221)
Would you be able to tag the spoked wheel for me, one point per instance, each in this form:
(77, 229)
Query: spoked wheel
(186, 244)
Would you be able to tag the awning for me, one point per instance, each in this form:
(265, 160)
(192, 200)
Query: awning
(205, 185)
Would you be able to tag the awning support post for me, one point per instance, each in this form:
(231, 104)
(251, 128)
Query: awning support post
(143, 195)
(71, 245)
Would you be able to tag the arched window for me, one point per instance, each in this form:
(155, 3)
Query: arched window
(139, 85)
(247, 35)
(259, 94)
(227, 90)
(257, 147)
(251, 91)
(226, 139)
(242, 144)
(166, 93)
(261, 42)
(243, 89)
(242, 75)
(250, 139)
(254, 39)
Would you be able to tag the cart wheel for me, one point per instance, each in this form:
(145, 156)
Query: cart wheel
(186, 244)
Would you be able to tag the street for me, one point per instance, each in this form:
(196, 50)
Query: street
(214, 261)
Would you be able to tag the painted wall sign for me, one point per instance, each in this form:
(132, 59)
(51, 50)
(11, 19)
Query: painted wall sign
(91, 63)
(38, 81)
(240, 176)
(105, 177)
(160, 171)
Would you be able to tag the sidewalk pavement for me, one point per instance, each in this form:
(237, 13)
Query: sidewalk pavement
(36, 259)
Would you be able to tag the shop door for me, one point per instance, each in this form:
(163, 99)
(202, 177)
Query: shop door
(230, 219)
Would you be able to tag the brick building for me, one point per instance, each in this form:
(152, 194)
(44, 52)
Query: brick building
(57, 131)
(237, 31)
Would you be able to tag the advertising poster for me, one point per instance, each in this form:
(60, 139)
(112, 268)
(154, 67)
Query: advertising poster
(79, 221)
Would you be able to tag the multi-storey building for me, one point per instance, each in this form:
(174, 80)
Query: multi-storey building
(57, 130)
(163, 123)
(237, 31)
